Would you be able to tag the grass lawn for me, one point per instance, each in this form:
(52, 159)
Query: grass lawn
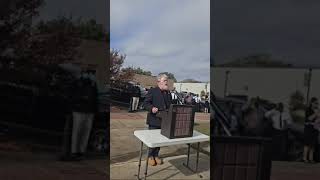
(203, 128)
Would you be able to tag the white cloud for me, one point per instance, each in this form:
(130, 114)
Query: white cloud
(164, 35)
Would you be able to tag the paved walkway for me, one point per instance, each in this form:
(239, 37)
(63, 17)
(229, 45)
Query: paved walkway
(171, 169)
(295, 171)
(126, 147)
(124, 152)
(23, 163)
(31, 157)
(40, 166)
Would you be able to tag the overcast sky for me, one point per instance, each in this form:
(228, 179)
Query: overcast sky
(163, 35)
(287, 29)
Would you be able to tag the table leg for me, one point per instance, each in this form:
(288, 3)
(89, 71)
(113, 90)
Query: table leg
(189, 145)
(140, 160)
(188, 157)
(197, 160)
(146, 170)
(198, 149)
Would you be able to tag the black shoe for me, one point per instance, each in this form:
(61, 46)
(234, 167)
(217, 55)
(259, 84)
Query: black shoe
(65, 158)
(69, 158)
(305, 161)
(76, 157)
(81, 156)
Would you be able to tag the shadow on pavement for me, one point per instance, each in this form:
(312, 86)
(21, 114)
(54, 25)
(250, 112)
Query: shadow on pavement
(135, 154)
(202, 167)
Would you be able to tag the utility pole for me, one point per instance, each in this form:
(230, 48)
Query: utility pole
(309, 84)
(226, 83)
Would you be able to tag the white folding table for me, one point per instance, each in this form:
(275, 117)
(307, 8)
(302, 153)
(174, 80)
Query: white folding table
(153, 138)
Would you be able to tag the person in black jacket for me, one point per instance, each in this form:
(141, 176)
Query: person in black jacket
(135, 97)
(158, 99)
(84, 104)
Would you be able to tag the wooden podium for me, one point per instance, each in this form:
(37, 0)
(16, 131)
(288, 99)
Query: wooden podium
(178, 121)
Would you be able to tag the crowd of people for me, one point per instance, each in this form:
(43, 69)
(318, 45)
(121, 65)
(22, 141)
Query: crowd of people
(191, 99)
(136, 99)
(275, 122)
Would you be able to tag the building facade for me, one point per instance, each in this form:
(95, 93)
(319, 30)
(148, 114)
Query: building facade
(195, 88)
(274, 84)
(149, 81)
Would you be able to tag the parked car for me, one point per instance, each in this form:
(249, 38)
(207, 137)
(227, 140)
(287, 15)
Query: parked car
(121, 92)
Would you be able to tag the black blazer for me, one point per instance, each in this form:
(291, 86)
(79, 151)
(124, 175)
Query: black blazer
(154, 98)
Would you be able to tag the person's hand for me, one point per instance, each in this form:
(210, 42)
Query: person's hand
(154, 110)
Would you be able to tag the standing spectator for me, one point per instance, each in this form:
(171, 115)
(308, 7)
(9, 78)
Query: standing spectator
(174, 96)
(255, 117)
(249, 122)
(188, 99)
(194, 98)
(199, 98)
(281, 120)
(317, 148)
(84, 101)
(135, 97)
(310, 133)
(206, 104)
(197, 102)
(233, 119)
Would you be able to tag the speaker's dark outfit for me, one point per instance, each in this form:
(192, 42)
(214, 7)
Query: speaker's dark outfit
(161, 100)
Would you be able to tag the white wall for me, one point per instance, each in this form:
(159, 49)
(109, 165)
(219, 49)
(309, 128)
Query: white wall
(192, 87)
(275, 84)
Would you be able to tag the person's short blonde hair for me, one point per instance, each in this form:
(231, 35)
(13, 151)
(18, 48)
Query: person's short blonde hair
(160, 76)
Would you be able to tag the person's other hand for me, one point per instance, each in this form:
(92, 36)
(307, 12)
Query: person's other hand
(154, 110)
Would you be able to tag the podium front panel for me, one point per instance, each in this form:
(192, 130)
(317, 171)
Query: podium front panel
(179, 122)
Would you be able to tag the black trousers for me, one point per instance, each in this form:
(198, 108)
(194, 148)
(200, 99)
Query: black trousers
(280, 144)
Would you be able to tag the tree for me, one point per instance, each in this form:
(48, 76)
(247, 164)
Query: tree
(91, 30)
(116, 62)
(297, 101)
(170, 76)
(256, 60)
(15, 23)
(138, 71)
(54, 42)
